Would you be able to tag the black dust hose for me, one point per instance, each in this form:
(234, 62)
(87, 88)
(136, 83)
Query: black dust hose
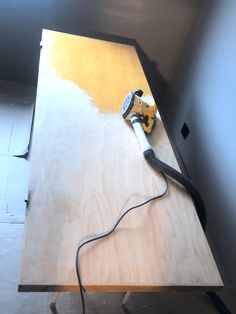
(159, 165)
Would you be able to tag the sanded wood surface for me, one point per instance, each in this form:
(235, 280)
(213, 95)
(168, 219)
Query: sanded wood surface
(86, 166)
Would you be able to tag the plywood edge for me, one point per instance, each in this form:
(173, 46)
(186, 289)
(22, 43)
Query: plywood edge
(115, 288)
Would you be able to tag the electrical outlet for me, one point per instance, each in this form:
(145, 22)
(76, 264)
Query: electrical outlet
(185, 131)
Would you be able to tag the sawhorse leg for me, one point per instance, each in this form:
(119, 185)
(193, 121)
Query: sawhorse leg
(53, 303)
(125, 298)
(124, 302)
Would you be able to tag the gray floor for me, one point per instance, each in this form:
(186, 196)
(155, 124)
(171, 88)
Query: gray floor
(12, 302)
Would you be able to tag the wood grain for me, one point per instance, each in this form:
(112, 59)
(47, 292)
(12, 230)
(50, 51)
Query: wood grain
(86, 167)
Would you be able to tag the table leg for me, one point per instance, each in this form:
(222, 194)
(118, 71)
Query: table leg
(53, 303)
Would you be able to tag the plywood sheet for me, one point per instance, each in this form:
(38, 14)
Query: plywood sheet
(16, 113)
(87, 166)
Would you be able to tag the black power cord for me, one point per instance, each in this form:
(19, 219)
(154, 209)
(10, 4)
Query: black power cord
(102, 235)
(164, 169)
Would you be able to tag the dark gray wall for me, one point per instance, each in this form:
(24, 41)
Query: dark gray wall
(203, 94)
(160, 26)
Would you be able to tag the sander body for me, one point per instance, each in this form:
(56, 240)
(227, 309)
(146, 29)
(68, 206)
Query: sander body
(142, 115)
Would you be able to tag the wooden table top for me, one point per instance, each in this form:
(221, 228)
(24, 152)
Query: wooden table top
(87, 166)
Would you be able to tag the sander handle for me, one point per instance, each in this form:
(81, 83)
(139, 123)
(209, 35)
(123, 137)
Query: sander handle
(141, 136)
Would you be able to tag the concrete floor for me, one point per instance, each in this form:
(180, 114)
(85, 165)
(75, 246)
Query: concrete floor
(12, 302)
